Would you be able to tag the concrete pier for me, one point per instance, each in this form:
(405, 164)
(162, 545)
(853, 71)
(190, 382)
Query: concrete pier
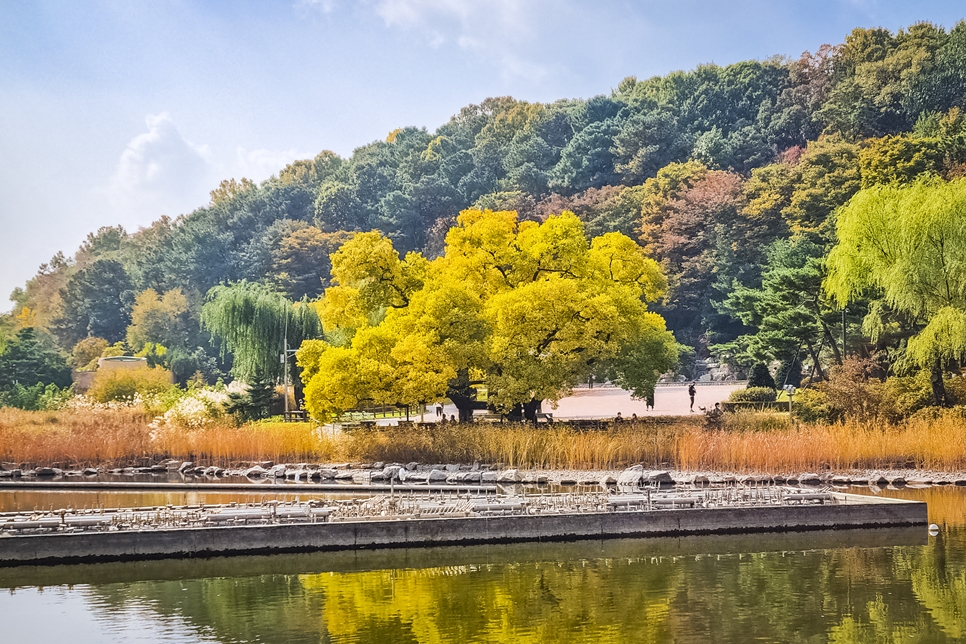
(846, 512)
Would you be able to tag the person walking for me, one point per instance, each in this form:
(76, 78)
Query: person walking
(439, 410)
(691, 391)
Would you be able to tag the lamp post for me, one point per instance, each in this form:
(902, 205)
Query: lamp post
(286, 352)
(790, 390)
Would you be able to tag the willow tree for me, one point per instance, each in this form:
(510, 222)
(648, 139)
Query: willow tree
(255, 325)
(528, 310)
(906, 246)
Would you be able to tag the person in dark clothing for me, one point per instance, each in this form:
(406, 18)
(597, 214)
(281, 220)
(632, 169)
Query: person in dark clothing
(691, 391)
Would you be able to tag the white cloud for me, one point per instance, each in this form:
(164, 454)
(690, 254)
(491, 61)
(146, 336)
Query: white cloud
(160, 173)
(497, 30)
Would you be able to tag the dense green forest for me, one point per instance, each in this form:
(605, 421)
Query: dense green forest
(731, 177)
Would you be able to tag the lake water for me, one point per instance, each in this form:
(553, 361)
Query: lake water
(849, 586)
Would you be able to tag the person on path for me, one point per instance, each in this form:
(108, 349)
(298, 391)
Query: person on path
(650, 401)
(691, 391)
(439, 410)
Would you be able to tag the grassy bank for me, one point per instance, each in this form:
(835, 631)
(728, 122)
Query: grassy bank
(752, 442)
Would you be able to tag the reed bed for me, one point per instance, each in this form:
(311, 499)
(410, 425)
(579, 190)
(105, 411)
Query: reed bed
(756, 442)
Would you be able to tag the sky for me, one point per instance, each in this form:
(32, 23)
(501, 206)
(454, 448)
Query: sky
(118, 112)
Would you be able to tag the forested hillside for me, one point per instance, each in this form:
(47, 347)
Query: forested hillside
(730, 177)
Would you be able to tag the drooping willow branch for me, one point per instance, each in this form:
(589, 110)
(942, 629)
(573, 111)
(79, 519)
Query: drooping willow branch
(251, 321)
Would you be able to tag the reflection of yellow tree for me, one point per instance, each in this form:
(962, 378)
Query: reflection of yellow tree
(938, 575)
(881, 628)
(603, 600)
(945, 598)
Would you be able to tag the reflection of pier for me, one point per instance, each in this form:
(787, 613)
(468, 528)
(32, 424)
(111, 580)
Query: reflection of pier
(419, 520)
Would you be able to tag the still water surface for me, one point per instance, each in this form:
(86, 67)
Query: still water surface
(852, 586)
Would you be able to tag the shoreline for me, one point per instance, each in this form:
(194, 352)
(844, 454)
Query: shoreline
(437, 477)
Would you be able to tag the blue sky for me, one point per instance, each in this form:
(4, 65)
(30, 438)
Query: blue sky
(120, 112)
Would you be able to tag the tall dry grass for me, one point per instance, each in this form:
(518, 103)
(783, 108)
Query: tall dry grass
(746, 443)
(87, 437)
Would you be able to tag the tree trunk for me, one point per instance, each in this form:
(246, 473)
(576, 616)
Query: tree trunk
(465, 405)
(531, 409)
(936, 380)
(818, 366)
(831, 342)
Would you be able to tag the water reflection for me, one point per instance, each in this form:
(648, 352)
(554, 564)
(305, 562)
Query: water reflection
(851, 586)
(26, 500)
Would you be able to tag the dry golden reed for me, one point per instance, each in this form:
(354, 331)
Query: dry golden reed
(746, 443)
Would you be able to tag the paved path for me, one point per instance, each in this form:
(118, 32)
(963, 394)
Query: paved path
(606, 402)
(668, 401)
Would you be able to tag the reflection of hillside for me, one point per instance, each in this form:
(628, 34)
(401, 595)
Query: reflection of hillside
(596, 591)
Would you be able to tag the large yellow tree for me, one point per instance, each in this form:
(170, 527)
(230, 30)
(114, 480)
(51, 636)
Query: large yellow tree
(529, 310)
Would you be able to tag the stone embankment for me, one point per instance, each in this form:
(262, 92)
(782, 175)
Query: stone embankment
(461, 474)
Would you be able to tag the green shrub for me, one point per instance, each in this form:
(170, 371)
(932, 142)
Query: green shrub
(753, 394)
(760, 377)
(789, 373)
(813, 406)
(124, 384)
(904, 396)
(39, 397)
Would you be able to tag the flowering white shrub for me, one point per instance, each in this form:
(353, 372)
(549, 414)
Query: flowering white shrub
(197, 408)
(81, 402)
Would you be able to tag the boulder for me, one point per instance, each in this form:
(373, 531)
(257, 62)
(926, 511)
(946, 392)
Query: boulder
(90, 471)
(509, 476)
(327, 474)
(255, 472)
(391, 472)
(48, 471)
(411, 467)
(186, 465)
(470, 477)
(810, 478)
(413, 476)
(658, 477)
(608, 479)
(632, 476)
(488, 477)
(278, 471)
(378, 465)
(437, 476)
(452, 468)
(344, 475)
